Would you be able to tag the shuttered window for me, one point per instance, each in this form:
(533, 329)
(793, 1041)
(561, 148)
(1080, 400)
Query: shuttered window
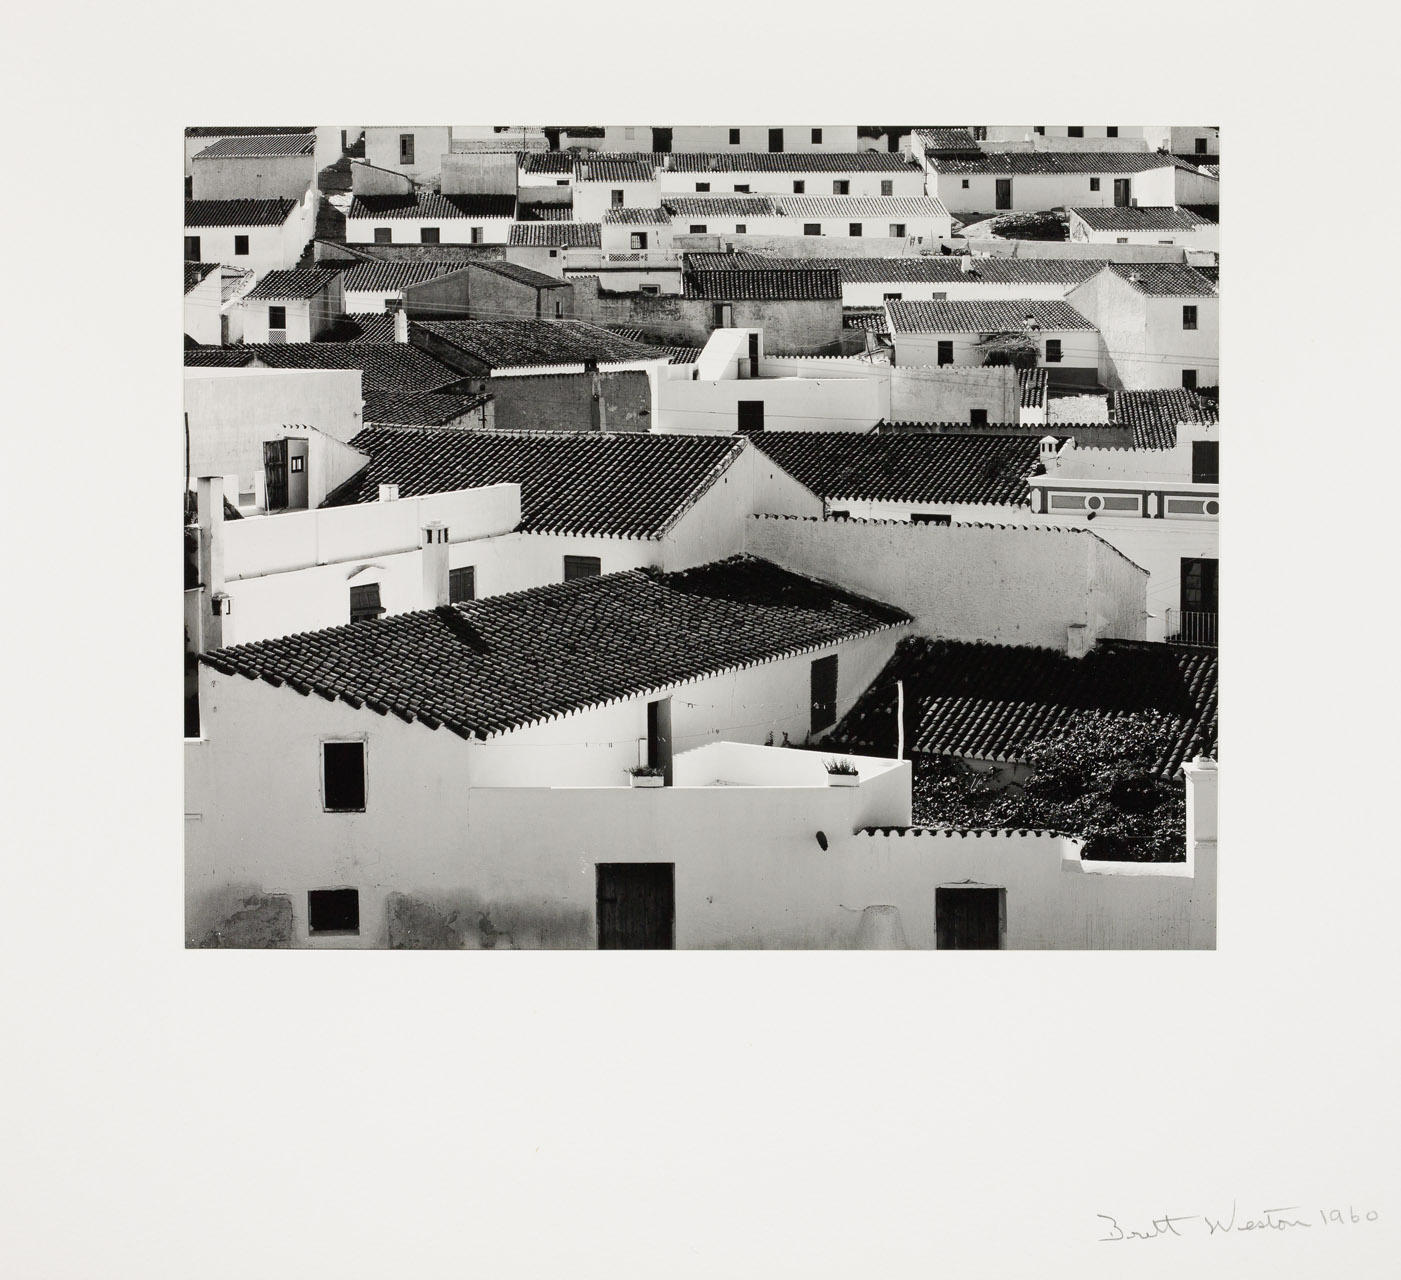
(364, 603)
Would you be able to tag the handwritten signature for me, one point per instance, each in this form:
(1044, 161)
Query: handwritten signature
(1286, 1218)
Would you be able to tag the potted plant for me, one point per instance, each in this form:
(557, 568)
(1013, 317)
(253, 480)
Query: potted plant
(841, 773)
(647, 775)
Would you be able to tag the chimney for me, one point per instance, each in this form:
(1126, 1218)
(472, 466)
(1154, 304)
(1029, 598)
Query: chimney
(213, 602)
(435, 564)
(965, 264)
(1050, 452)
(1200, 775)
(401, 319)
(1078, 640)
(388, 492)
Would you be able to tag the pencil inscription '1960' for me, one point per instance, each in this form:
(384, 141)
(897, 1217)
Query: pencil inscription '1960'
(1287, 1218)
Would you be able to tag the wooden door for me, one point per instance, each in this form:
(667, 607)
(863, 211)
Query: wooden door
(636, 906)
(275, 473)
(1004, 193)
(659, 736)
(1121, 192)
(968, 918)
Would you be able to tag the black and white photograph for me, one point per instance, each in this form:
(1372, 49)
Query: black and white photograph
(701, 536)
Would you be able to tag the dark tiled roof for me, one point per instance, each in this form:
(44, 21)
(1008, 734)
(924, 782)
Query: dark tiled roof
(949, 269)
(790, 162)
(251, 146)
(521, 275)
(862, 207)
(363, 326)
(409, 409)
(292, 284)
(630, 484)
(454, 254)
(237, 213)
(195, 272)
(637, 217)
(382, 277)
(503, 344)
(1141, 218)
(869, 319)
(721, 206)
(1026, 162)
(542, 212)
(553, 162)
(489, 666)
(949, 139)
(615, 167)
(745, 261)
(1164, 279)
(983, 316)
(764, 285)
(584, 234)
(385, 366)
(432, 205)
(218, 357)
(244, 130)
(1154, 415)
(1033, 387)
(982, 468)
(995, 701)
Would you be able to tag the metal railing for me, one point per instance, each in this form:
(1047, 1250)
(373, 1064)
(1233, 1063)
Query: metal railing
(1185, 626)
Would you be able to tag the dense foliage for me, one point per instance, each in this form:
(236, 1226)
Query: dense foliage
(1094, 779)
(1047, 225)
(1012, 346)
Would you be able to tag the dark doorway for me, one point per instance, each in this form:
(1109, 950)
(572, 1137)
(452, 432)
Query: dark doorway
(333, 911)
(1004, 193)
(753, 355)
(969, 918)
(1200, 583)
(659, 736)
(636, 906)
(192, 249)
(751, 417)
(275, 474)
(1121, 193)
(775, 139)
(824, 692)
(1206, 462)
(661, 139)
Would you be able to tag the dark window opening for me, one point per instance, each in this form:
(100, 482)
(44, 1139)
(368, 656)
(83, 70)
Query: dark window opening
(1201, 147)
(1189, 379)
(751, 416)
(462, 584)
(929, 517)
(1053, 354)
(1206, 462)
(1200, 585)
(698, 228)
(333, 911)
(841, 187)
(241, 246)
(742, 188)
(1075, 131)
(1094, 184)
(478, 235)
(636, 905)
(191, 248)
(384, 235)
(897, 230)
(1112, 131)
(887, 187)
(582, 567)
(406, 148)
(740, 228)
(702, 186)
(775, 139)
(1041, 129)
(1189, 317)
(965, 184)
(812, 228)
(817, 135)
(977, 417)
(892, 297)
(364, 603)
(853, 229)
(277, 317)
(734, 137)
(946, 351)
(638, 240)
(799, 186)
(343, 770)
(824, 693)
(616, 196)
(428, 235)
(969, 918)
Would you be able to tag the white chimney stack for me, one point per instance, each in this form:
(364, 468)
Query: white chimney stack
(388, 492)
(434, 541)
(401, 324)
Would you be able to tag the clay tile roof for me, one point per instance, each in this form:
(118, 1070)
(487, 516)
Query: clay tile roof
(384, 366)
(1026, 162)
(195, 272)
(950, 139)
(983, 317)
(237, 213)
(432, 205)
(1033, 387)
(520, 274)
(993, 701)
(721, 206)
(1155, 415)
(946, 268)
(383, 277)
(615, 167)
(505, 344)
(250, 146)
(552, 162)
(637, 217)
(743, 260)
(1164, 279)
(492, 665)
(1141, 218)
(790, 162)
(837, 465)
(198, 357)
(244, 130)
(584, 234)
(622, 485)
(763, 285)
(417, 409)
(862, 206)
(291, 284)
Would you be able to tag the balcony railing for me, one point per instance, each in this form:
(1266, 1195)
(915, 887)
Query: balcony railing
(637, 257)
(1185, 626)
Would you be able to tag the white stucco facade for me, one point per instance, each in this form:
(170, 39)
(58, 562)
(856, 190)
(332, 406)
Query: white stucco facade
(977, 192)
(795, 181)
(203, 309)
(593, 196)
(464, 230)
(1079, 348)
(429, 143)
(268, 248)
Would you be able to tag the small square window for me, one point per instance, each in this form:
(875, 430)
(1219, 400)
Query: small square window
(554, 253)
(812, 228)
(637, 240)
(1075, 131)
(817, 135)
(698, 228)
(897, 230)
(241, 246)
(343, 777)
(741, 228)
(734, 137)
(977, 417)
(1112, 131)
(191, 248)
(1189, 379)
(1201, 147)
(965, 184)
(616, 195)
(1041, 129)
(364, 603)
(1094, 184)
(887, 187)
(296, 464)
(841, 187)
(582, 567)
(649, 290)
(1189, 317)
(428, 235)
(477, 235)
(277, 317)
(1052, 350)
(854, 229)
(333, 911)
(702, 186)
(384, 235)
(462, 584)
(799, 186)
(406, 148)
